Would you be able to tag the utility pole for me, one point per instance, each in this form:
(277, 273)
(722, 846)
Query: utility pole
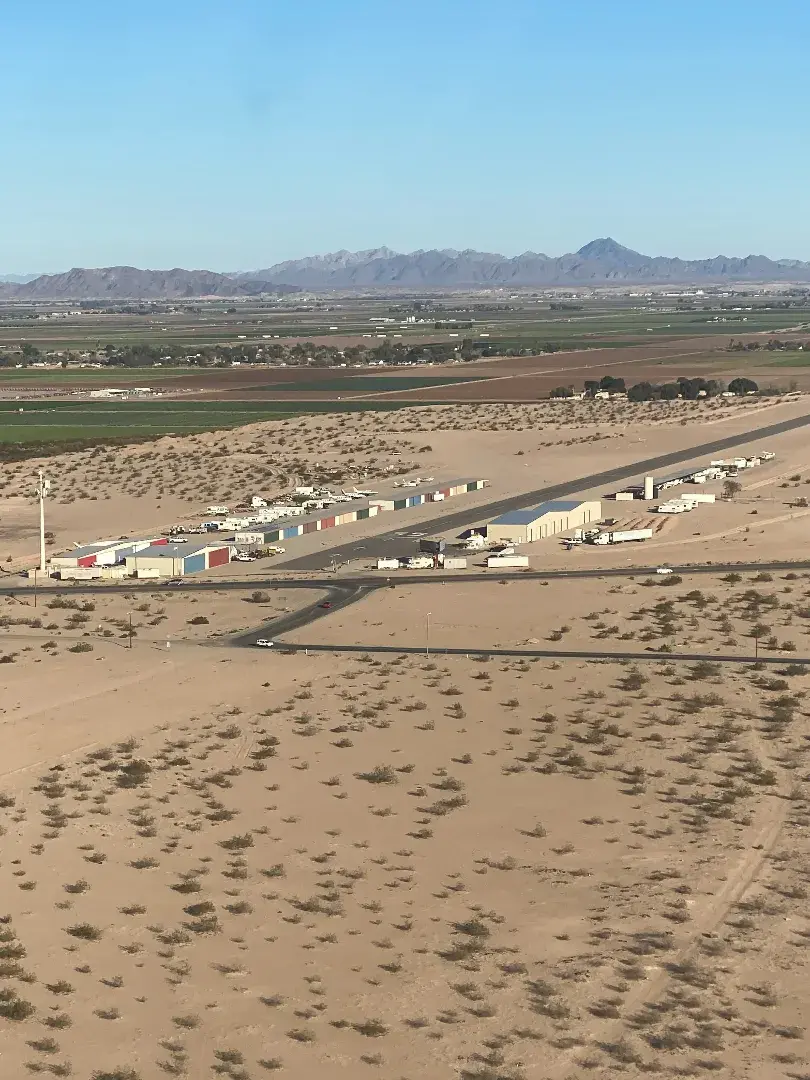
(129, 613)
(427, 633)
(43, 487)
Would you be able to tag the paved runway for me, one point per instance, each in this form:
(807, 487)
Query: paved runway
(393, 543)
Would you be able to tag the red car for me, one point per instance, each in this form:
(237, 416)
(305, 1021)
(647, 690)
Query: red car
(326, 604)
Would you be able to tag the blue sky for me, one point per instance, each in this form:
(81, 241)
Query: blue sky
(233, 135)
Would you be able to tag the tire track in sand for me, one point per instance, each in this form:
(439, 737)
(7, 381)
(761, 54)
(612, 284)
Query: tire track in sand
(737, 882)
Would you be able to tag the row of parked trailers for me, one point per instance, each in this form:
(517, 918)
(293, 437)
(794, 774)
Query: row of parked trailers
(346, 513)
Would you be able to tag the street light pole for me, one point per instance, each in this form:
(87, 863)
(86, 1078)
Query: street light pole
(43, 486)
(427, 633)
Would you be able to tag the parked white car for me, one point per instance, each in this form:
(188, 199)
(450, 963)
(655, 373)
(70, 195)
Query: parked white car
(664, 570)
(263, 643)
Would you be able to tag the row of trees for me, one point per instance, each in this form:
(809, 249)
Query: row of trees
(771, 345)
(682, 388)
(307, 354)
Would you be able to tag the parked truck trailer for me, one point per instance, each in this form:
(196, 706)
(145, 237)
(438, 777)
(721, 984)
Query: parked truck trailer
(619, 536)
(504, 561)
(79, 573)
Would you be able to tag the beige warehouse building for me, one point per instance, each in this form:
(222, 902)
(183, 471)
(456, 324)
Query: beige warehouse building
(547, 519)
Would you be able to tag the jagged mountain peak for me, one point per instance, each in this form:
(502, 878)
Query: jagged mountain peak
(605, 247)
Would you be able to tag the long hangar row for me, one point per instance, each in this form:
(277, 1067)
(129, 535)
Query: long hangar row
(346, 513)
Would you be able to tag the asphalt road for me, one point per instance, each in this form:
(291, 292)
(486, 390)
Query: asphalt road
(378, 580)
(337, 596)
(393, 543)
(549, 654)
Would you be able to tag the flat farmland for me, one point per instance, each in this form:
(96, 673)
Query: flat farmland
(43, 427)
(511, 321)
(522, 378)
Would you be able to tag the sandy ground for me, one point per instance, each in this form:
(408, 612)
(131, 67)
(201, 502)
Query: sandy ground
(146, 614)
(479, 869)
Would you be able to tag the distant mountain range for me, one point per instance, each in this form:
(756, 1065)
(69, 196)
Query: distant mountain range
(116, 283)
(17, 279)
(601, 262)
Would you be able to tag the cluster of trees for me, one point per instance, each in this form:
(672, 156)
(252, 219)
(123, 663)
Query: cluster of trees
(682, 387)
(771, 345)
(306, 354)
(534, 348)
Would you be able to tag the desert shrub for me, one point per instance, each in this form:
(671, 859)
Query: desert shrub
(85, 931)
(381, 774)
(13, 1007)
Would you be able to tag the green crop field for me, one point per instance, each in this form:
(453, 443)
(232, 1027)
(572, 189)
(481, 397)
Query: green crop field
(53, 425)
(781, 360)
(107, 375)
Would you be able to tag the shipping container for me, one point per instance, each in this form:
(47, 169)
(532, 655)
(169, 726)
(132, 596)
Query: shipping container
(219, 556)
(193, 563)
(420, 562)
(388, 564)
(114, 573)
(455, 563)
(503, 561)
